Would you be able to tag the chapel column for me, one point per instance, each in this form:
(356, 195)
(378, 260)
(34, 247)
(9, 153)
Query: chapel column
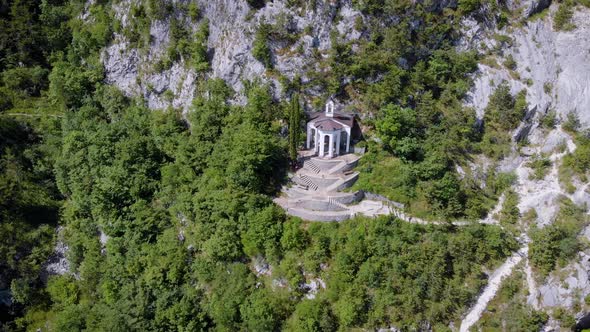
(338, 143)
(348, 140)
(316, 147)
(331, 146)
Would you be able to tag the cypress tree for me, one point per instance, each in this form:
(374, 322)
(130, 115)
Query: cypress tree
(294, 122)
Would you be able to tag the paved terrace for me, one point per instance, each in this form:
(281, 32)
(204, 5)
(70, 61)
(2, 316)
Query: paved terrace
(316, 191)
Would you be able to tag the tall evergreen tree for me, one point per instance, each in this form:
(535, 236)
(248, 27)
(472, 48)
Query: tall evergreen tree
(294, 130)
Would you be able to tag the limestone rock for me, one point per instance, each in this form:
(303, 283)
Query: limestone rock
(312, 287)
(552, 66)
(565, 291)
(528, 7)
(232, 27)
(261, 266)
(57, 263)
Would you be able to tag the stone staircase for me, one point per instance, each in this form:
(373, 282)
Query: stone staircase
(310, 165)
(337, 204)
(308, 182)
(320, 195)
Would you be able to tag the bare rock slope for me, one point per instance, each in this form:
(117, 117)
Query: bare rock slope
(553, 68)
(232, 29)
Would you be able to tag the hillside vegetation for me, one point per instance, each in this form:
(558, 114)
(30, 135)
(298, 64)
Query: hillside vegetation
(168, 215)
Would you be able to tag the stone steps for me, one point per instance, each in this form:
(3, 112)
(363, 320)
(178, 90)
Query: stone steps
(318, 192)
(344, 182)
(311, 166)
(334, 202)
(308, 182)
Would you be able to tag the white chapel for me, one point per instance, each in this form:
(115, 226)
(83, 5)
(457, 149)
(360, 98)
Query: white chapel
(328, 133)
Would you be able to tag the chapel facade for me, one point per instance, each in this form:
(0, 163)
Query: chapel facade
(328, 132)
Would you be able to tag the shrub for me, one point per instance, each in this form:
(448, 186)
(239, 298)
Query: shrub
(26, 80)
(168, 95)
(256, 4)
(563, 17)
(284, 28)
(566, 319)
(557, 242)
(468, 6)
(260, 48)
(5, 99)
(199, 48)
(548, 87)
(510, 211)
(193, 11)
(358, 23)
(495, 144)
(579, 160)
(549, 120)
(540, 166)
(510, 63)
(157, 10)
(572, 122)
(503, 39)
(504, 112)
(501, 181)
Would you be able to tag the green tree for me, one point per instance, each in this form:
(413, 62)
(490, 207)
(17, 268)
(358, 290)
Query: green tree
(293, 237)
(312, 315)
(504, 112)
(260, 47)
(199, 47)
(229, 292)
(294, 126)
(263, 231)
(510, 212)
(29, 81)
(563, 16)
(397, 130)
(263, 311)
(467, 6)
(351, 308)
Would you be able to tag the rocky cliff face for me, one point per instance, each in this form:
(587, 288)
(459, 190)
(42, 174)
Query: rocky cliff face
(232, 26)
(553, 68)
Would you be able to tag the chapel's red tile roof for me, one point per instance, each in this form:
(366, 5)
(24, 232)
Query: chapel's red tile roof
(337, 121)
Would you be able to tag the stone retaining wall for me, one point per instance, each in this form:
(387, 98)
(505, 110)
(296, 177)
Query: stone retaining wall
(348, 183)
(325, 217)
(376, 197)
(318, 205)
(350, 199)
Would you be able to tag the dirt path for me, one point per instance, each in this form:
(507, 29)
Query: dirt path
(533, 194)
(490, 290)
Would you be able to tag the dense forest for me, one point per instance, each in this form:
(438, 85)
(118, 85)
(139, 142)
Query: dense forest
(168, 216)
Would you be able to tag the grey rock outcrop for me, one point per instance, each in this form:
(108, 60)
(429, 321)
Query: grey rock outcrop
(552, 66)
(528, 7)
(568, 285)
(57, 263)
(232, 28)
